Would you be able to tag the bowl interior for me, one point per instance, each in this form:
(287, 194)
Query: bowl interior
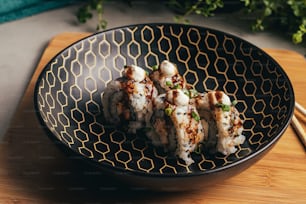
(69, 91)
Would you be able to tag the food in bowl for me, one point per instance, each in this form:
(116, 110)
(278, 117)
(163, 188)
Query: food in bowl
(173, 114)
(69, 91)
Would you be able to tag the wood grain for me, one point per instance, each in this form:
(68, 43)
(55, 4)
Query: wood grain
(33, 170)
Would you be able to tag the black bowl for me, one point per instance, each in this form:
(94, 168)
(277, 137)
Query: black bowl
(68, 97)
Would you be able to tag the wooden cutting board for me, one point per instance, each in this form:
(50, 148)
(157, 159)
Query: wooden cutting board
(33, 170)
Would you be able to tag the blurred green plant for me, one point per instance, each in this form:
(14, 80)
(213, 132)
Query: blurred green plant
(288, 15)
(85, 12)
(185, 8)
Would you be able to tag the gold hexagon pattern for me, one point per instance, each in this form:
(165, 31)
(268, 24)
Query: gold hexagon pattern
(69, 91)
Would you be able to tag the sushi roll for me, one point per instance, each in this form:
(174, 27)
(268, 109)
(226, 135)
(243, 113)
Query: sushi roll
(128, 100)
(114, 101)
(176, 124)
(225, 125)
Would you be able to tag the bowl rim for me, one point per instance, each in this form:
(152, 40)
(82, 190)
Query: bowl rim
(264, 148)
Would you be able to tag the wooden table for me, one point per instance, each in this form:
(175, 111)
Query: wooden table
(33, 170)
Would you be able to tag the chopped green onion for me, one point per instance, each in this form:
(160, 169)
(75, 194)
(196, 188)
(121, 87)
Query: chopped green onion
(168, 111)
(224, 107)
(169, 83)
(195, 116)
(198, 149)
(193, 93)
(177, 86)
(147, 73)
(234, 102)
(155, 67)
(186, 92)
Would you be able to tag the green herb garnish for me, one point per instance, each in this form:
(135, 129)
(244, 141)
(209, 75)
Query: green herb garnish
(168, 111)
(177, 86)
(186, 92)
(193, 93)
(155, 67)
(198, 149)
(234, 102)
(224, 107)
(169, 83)
(195, 116)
